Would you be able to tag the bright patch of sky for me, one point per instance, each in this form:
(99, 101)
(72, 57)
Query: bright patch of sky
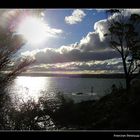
(72, 33)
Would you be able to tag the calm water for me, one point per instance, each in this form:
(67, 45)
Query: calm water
(26, 87)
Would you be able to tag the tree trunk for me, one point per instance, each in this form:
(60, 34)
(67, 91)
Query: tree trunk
(127, 83)
(127, 78)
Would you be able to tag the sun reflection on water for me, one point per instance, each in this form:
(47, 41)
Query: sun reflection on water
(26, 88)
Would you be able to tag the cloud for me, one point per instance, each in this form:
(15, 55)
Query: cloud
(92, 52)
(77, 16)
(101, 10)
(114, 65)
(92, 42)
(91, 47)
(94, 46)
(11, 18)
(53, 32)
(95, 40)
(132, 11)
(69, 54)
(101, 27)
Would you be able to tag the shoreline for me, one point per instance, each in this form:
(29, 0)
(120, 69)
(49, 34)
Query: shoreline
(112, 76)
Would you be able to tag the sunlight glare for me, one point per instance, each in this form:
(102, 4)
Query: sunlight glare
(29, 87)
(33, 30)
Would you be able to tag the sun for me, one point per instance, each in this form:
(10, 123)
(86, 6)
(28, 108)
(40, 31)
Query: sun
(33, 30)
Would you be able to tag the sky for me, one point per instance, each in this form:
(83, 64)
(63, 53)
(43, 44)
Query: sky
(72, 32)
(73, 41)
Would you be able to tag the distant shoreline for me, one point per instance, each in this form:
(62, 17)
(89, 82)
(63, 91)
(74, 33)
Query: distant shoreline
(74, 75)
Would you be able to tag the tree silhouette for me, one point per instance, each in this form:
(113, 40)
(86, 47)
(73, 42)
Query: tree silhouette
(9, 46)
(11, 64)
(123, 37)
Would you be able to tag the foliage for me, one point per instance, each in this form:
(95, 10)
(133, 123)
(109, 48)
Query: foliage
(11, 65)
(117, 110)
(9, 46)
(124, 37)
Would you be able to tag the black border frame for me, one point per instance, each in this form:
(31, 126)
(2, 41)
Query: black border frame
(69, 4)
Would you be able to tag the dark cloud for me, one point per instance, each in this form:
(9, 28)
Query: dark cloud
(49, 56)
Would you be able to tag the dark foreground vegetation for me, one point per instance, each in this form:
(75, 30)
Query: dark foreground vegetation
(117, 110)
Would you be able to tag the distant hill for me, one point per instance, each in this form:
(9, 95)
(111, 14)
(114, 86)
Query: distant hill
(74, 75)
